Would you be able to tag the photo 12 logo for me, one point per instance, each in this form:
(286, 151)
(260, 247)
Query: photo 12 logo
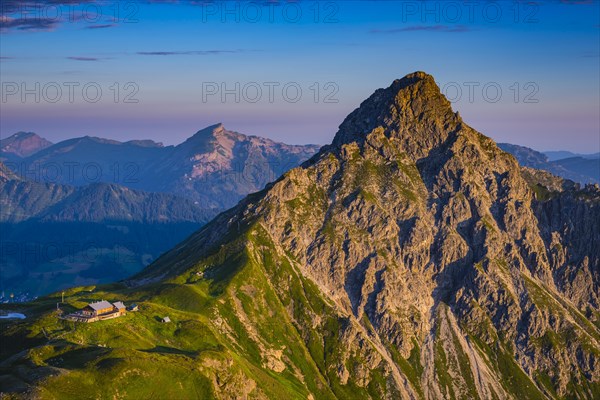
(470, 12)
(491, 92)
(50, 13)
(253, 173)
(269, 92)
(72, 172)
(71, 92)
(293, 12)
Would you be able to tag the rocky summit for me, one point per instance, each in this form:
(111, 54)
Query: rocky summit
(411, 258)
(22, 144)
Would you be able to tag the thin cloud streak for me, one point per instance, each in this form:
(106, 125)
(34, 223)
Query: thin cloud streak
(187, 53)
(100, 26)
(84, 58)
(590, 54)
(30, 15)
(425, 28)
(27, 24)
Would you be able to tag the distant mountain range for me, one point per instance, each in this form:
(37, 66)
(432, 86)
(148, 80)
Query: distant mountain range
(55, 236)
(561, 154)
(582, 168)
(124, 202)
(24, 200)
(215, 167)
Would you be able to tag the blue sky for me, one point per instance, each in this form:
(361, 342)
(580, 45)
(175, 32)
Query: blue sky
(521, 72)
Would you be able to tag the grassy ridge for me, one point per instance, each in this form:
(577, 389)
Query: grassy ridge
(230, 329)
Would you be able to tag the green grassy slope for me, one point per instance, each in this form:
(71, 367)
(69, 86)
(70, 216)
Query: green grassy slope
(233, 329)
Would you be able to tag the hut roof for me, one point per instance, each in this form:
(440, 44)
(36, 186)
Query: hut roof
(100, 305)
(119, 305)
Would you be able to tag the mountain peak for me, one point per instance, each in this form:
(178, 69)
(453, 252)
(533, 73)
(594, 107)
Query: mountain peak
(201, 140)
(22, 135)
(23, 144)
(413, 78)
(216, 128)
(412, 110)
(209, 131)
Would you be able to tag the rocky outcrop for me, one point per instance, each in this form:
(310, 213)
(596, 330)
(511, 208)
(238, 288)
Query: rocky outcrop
(568, 223)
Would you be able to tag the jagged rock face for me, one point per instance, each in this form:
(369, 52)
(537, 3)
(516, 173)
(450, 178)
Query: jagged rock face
(411, 110)
(570, 229)
(422, 233)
